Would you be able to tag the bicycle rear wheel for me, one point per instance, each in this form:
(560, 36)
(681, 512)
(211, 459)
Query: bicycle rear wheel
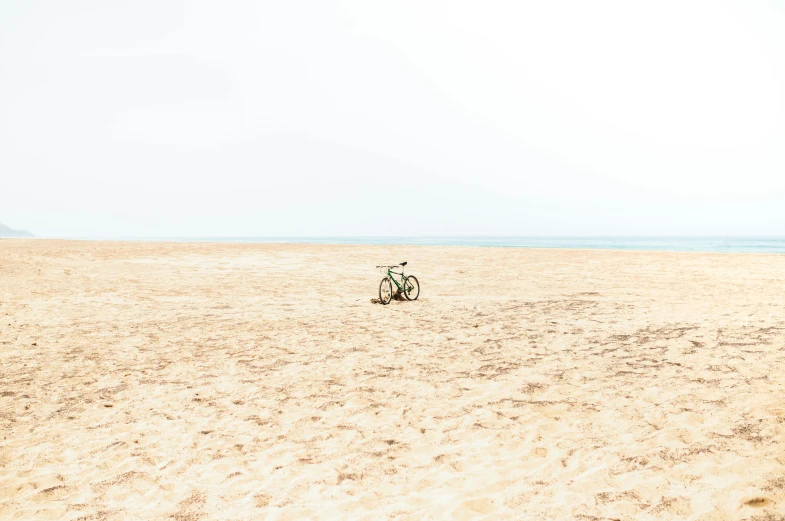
(411, 287)
(385, 291)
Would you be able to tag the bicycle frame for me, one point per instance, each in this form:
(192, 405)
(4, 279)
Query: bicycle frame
(390, 274)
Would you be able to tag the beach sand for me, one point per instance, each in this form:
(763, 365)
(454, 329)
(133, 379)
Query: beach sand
(251, 381)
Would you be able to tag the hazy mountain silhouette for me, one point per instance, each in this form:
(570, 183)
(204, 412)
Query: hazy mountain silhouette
(5, 231)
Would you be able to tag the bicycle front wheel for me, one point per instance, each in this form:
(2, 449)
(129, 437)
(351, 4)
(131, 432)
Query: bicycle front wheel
(385, 291)
(411, 287)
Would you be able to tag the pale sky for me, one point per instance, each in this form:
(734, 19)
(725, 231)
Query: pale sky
(281, 118)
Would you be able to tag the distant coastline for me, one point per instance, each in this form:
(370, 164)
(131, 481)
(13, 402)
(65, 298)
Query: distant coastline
(6, 232)
(675, 244)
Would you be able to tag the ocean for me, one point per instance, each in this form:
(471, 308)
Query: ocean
(685, 244)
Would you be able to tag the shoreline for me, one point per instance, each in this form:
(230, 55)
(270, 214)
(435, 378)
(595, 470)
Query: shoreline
(239, 242)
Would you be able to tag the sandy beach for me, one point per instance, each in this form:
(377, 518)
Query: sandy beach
(249, 381)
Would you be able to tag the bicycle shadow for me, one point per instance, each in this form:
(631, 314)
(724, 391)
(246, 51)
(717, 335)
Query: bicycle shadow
(396, 296)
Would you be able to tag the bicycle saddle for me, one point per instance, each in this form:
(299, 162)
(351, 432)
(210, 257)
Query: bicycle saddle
(404, 263)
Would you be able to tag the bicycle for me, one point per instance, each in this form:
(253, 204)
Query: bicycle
(409, 285)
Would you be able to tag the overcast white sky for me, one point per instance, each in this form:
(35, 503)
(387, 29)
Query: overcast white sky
(280, 118)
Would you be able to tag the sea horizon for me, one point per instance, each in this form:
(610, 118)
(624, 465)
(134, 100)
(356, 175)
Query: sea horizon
(708, 244)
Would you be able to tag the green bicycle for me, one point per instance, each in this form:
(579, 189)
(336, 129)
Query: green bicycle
(409, 285)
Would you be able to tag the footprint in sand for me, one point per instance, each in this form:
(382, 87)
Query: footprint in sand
(52, 493)
(261, 500)
(480, 506)
(758, 502)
